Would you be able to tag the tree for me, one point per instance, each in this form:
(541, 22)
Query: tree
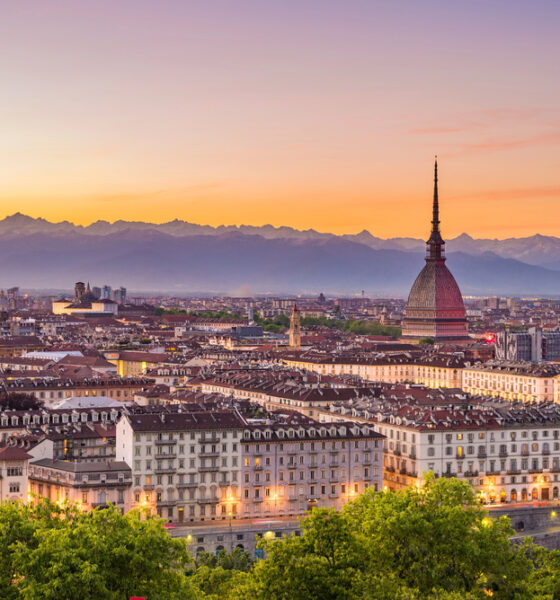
(426, 341)
(62, 553)
(20, 401)
(431, 543)
(438, 537)
(216, 576)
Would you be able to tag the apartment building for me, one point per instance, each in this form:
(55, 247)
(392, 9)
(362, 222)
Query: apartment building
(524, 381)
(289, 468)
(508, 454)
(50, 390)
(435, 371)
(186, 466)
(13, 473)
(88, 484)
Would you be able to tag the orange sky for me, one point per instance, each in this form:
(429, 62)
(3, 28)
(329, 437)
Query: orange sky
(313, 116)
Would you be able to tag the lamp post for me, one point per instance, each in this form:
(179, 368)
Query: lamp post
(230, 532)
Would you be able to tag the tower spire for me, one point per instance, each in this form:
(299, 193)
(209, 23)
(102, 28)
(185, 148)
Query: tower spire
(435, 243)
(435, 210)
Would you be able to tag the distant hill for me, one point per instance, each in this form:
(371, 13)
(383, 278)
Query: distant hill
(182, 257)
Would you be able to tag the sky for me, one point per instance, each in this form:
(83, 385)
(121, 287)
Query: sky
(308, 113)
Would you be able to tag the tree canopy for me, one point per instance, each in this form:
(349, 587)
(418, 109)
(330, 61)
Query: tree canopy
(51, 552)
(434, 542)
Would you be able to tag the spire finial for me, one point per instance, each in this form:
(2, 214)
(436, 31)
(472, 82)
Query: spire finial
(435, 243)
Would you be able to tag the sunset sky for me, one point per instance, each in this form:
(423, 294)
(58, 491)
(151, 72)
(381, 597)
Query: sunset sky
(314, 114)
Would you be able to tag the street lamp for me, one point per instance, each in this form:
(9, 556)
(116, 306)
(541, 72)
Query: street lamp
(230, 532)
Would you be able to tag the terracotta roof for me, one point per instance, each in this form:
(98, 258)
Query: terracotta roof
(12, 453)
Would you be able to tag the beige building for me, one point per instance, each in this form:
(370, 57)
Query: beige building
(87, 484)
(433, 371)
(524, 381)
(13, 473)
(185, 466)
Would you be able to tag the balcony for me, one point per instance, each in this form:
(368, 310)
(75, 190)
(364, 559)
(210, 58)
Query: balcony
(186, 484)
(514, 472)
(163, 471)
(164, 456)
(208, 469)
(209, 454)
(165, 442)
(212, 500)
(482, 453)
(148, 487)
(502, 453)
(166, 502)
(545, 452)
(209, 440)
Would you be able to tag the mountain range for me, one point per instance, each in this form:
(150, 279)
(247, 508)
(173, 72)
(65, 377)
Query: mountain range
(183, 257)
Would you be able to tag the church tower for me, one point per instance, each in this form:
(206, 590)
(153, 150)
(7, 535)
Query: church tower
(435, 305)
(295, 328)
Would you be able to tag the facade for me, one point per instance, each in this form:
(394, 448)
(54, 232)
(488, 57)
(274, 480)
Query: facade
(290, 468)
(185, 466)
(88, 484)
(432, 371)
(532, 345)
(295, 328)
(523, 381)
(507, 455)
(515, 346)
(13, 473)
(435, 306)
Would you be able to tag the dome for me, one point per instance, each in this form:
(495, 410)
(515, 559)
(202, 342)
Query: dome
(435, 288)
(435, 305)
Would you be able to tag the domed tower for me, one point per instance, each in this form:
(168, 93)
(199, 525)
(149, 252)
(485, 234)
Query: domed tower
(435, 306)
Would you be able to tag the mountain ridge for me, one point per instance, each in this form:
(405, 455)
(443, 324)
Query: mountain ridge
(233, 261)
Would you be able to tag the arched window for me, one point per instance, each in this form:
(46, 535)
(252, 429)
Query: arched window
(513, 495)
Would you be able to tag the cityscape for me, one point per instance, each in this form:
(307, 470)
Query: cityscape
(257, 340)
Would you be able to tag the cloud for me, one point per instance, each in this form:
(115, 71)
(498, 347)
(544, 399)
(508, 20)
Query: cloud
(487, 118)
(514, 194)
(495, 144)
(153, 195)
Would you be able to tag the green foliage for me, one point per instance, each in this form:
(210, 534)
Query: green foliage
(53, 553)
(276, 325)
(220, 315)
(431, 543)
(217, 576)
(427, 340)
(355, 326)
(427, 544)
(160, 310)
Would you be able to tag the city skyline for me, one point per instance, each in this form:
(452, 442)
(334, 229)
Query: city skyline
(137, 113)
